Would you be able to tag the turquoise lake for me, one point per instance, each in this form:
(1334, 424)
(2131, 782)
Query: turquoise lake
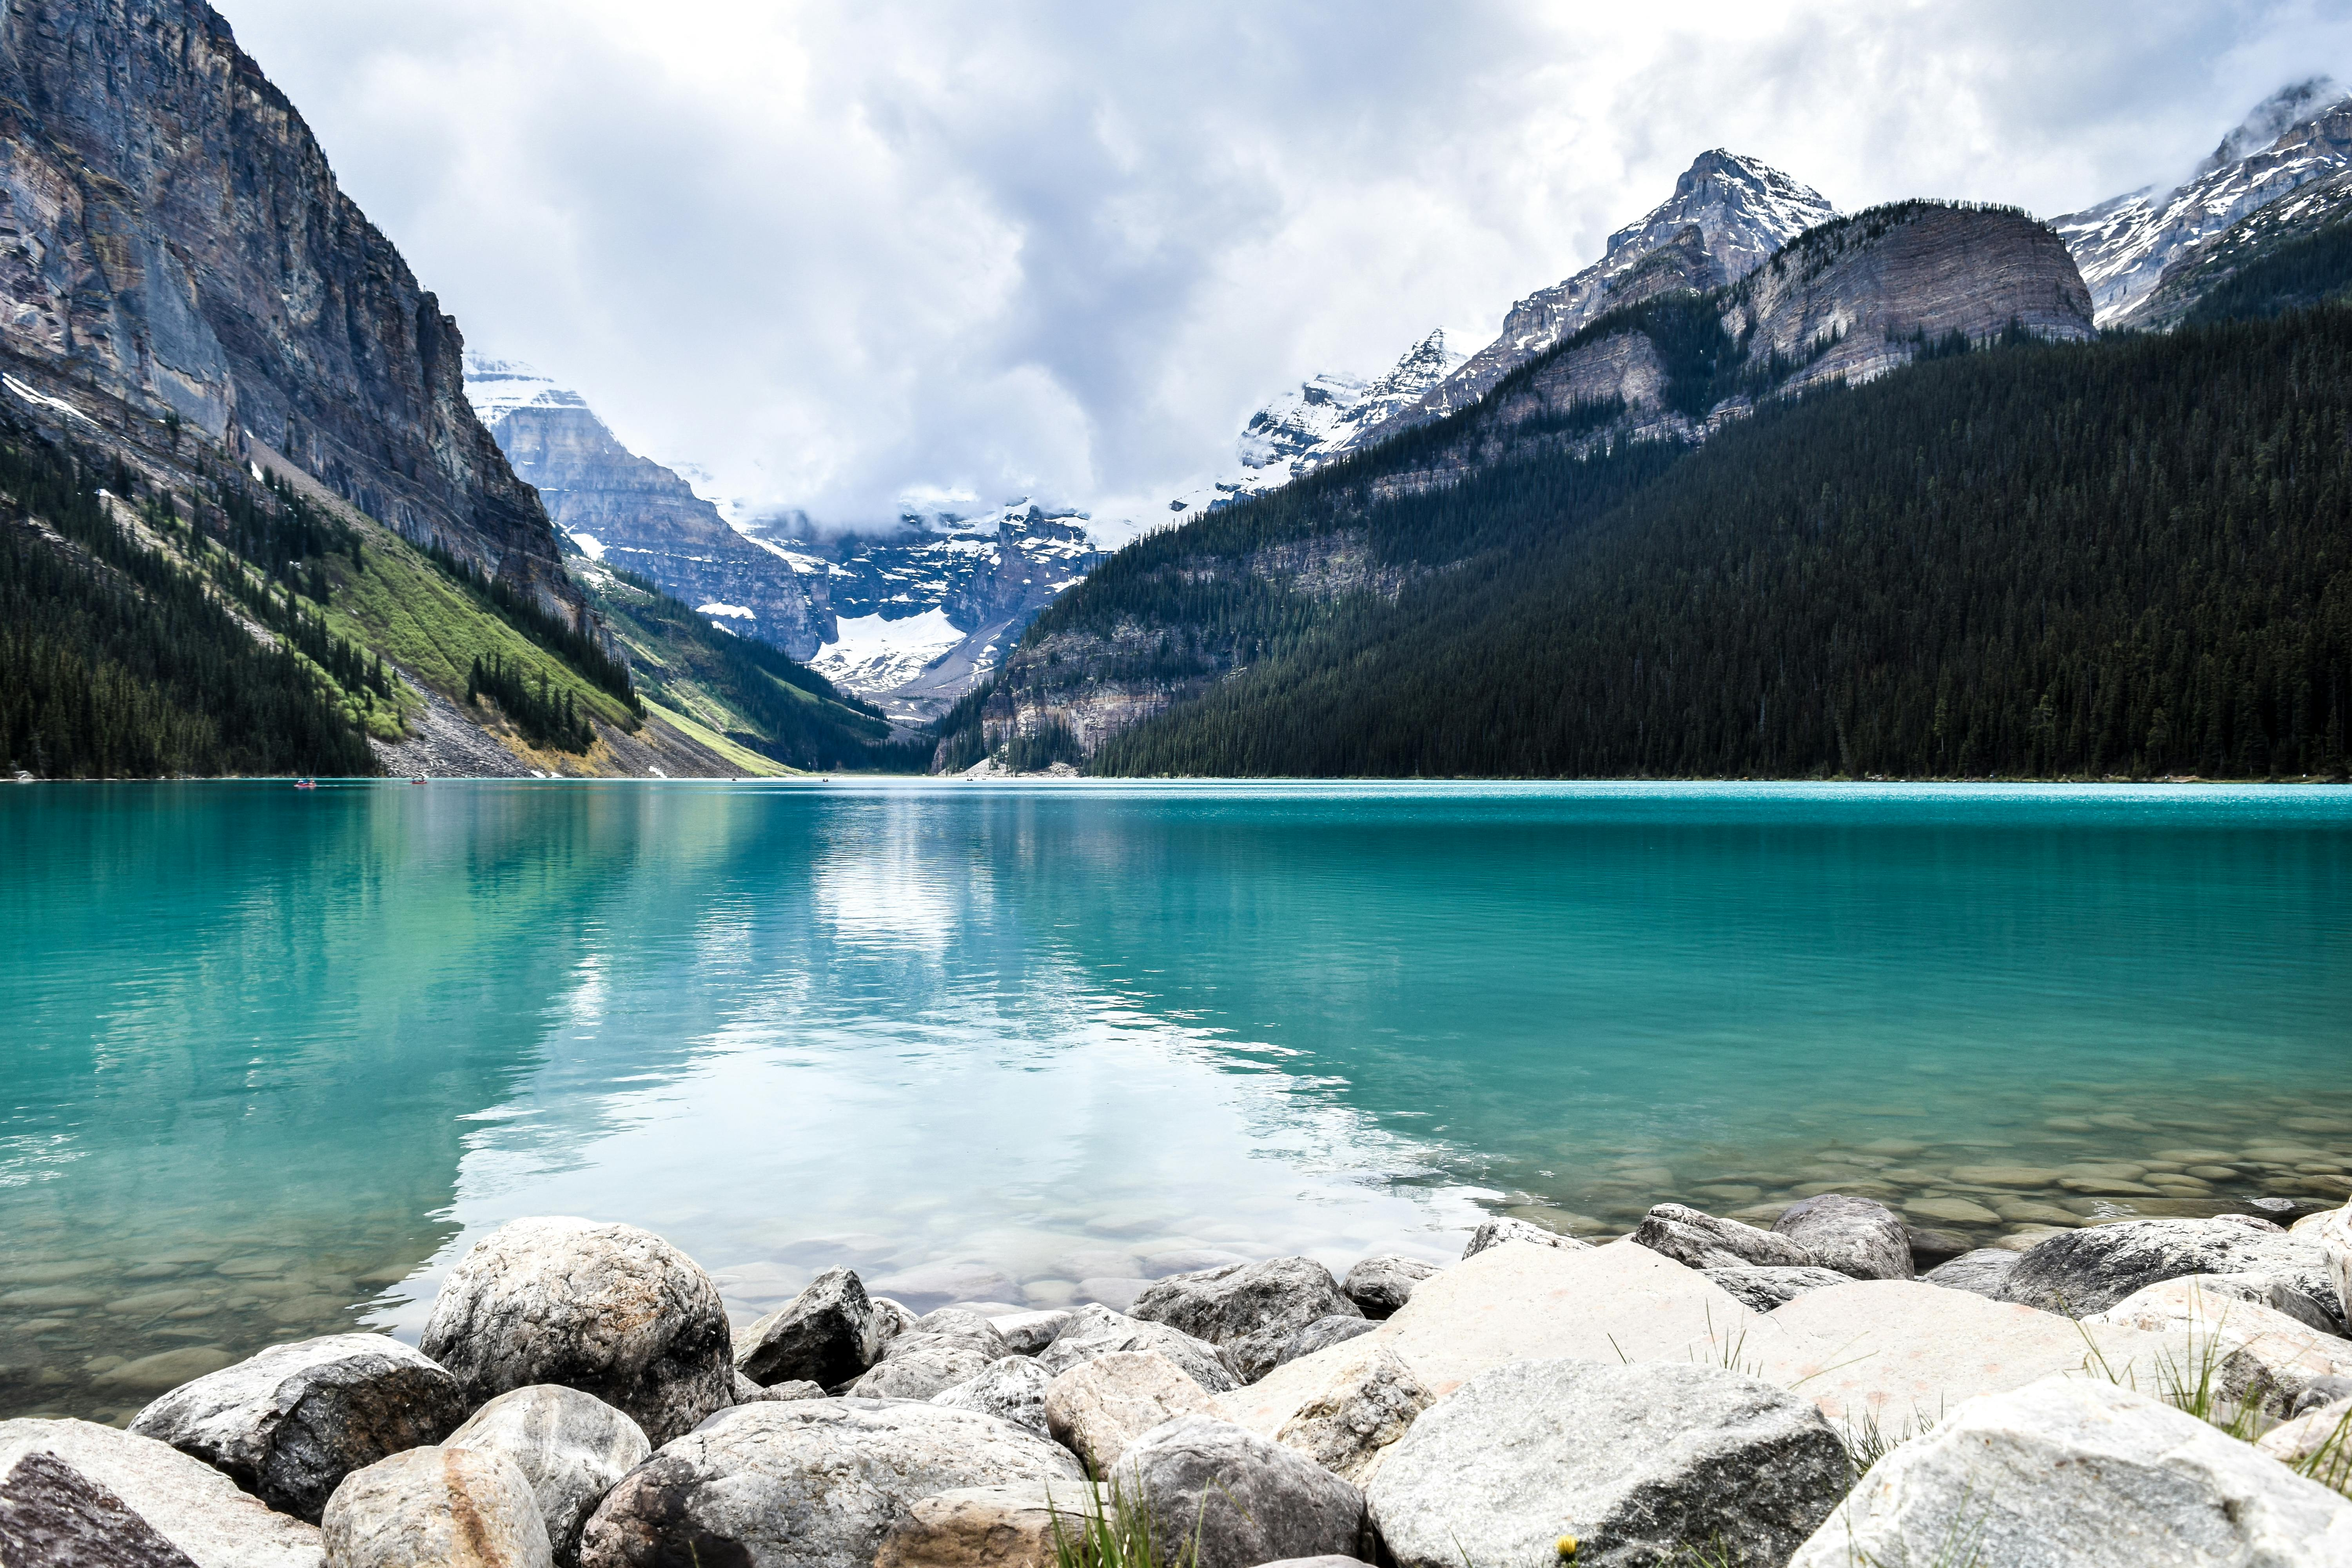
(270, 1059)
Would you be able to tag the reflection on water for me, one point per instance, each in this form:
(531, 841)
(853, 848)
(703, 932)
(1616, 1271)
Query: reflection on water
(273, 1059)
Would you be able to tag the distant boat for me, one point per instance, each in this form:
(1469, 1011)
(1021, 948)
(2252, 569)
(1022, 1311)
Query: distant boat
(305, 784)
(416, 780)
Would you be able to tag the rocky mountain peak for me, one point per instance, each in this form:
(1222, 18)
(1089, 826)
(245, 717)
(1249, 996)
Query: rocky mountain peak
(2124, 244)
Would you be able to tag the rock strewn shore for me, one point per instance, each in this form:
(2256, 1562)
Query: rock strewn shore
(1701, 1390)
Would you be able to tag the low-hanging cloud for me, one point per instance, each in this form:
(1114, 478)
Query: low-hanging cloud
(841, 254)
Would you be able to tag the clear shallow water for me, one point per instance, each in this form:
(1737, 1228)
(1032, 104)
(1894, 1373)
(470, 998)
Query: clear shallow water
(269, 1060)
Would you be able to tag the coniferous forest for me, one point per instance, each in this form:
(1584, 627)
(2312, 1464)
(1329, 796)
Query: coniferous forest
(2128, 557)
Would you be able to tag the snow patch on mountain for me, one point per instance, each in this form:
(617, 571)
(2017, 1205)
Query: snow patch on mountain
(2299, 134)
(875, 654)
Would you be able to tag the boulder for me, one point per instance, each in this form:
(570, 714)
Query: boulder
(750, 1393)
(2318, 1443)
(827, 1334)
(1896, 1351)
(1245, 1499)
(1097, 1408)
(53, 1516)
(986, 1527)
(2089, 1270)
(1765, 1289)
(1249, 1308)
(2264, 1290)
(1860, 1238)
(572, 1447)
(1502, 1227)
(1097, 1330)
(2257, 1354)
(1012, 1387)
(1636, 1462)
(1318, 1563)
(609, 1310)
(1698, 1240)
(2080, 1473)
(1320, 1334)
(813, 1484)
(2323, 1393)
(2333, 1235)
(1379, 1285)
(1026, 1333)
(289, 1424)
(189, 1504)
(1983, 1272)
(436, 1507)
(938, 1352)
(1350, 1426)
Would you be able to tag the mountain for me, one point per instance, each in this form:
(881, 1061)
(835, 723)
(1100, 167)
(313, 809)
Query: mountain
(1726, 215)
(632, 512)
(176, 242)
(1172, 619)
(249, 523)
(2299, 135)
(1326, 418)
(2284, 255)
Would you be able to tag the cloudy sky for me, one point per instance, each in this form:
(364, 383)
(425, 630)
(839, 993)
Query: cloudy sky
(845, 255)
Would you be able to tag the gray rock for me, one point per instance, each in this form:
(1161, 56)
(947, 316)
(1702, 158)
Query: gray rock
(2322, 1393)
(1348, 1423)
(750, 1393)
(1932, 1248)
(570, 1447)
(828, 1333)
(959, 1324)
(1636, 1462)
(1318, 1563)
(940, 1350)
(1765, 1289)
(1097, 1330)
(53, 1516)
(1859, 1237)
(290, 1423)
(1249, 1308)
(2264, 1290)
(1320, 1334)
(2314, 1441)
(191, 1504)
(1700, 1240)
(1096, 1409)
(1245, 1498)
(986, 1527)
(1026, 1333)
(2082, 1271)
(1501, 1228)
(609, 1310)
(1379, 1285)
(2076, 1472)
(2248, 1352)
(1012, 1387)
(1984, 1272)
(813, 1484)
(436, 1507)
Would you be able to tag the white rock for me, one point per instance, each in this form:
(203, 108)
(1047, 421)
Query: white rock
(2259, 1355)
(1012, 1387)
(811, 1483)
(1251, 1309)
(1766, 1290)
(610, 1309)
(1350, 1426)
(290, 1422)
(1097, 1407)
(1095, 1331)
(572, 1447)
(986, 1527)
(1501, 1228)
(2318, 1445)
(2081, 1473)
(1636, 1462)
(436, 1507)
(1026, 1333)
(191, 1504)
(1697, 1239)
(2089, 1270)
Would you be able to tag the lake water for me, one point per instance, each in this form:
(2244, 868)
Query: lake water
(269, 1059)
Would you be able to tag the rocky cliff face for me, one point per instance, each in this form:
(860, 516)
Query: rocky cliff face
(2299, 135)
(634, 513)
(172, 240)
(1726, 215)
(2198, 270)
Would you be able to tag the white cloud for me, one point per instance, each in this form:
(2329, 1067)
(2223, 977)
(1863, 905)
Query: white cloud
(836, 253)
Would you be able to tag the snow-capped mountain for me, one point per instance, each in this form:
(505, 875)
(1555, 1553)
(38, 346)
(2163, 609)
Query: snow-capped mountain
(1727, 217)
(2299, 134)
(929, 608)
(1324, 417)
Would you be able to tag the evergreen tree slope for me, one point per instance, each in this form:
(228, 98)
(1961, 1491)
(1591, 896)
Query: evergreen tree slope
(2125, 557)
